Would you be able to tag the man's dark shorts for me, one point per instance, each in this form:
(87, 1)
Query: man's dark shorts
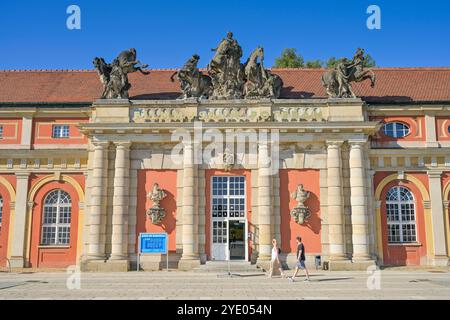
(301, 264)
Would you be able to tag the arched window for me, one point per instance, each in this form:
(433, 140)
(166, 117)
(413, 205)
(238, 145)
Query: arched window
(1, 212)
(401, 216)
(56, 220)
(396, 129)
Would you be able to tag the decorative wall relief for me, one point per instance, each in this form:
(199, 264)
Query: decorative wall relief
(301, 212)
(156, 213)
(228, 159)
(233, 115)
(289, 114)
(162, 115)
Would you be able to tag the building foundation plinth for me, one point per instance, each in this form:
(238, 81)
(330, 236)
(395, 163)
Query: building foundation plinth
(440, 261)
(188, 263)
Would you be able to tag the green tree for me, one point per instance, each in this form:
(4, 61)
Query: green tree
(314, 64)
(332, 62)
(369, 62)
(289, 59)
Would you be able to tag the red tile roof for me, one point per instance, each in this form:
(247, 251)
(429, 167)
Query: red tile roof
(68, 86)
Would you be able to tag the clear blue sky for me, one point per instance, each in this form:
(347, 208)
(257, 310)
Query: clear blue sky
(33, 34)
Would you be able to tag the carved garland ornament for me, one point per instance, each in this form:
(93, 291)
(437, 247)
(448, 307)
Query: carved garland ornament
(298, 114)
(163, 115)
(233, 115)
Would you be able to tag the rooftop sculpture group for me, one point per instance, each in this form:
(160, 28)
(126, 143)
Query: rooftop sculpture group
(227, 78)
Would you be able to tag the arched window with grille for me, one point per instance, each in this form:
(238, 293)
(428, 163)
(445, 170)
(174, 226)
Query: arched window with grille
(1, 212)
(401, 215)
(56, 218)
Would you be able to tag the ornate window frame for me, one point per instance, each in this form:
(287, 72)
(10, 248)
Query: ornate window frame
(401, 216)
(56, 218)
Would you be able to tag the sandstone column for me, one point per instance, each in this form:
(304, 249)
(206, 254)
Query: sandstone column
(119, 240)
(359, 214)
(438, 219)
(190, 258)
(335, 201)
(97, 202)
(264, 203)
(20, 220)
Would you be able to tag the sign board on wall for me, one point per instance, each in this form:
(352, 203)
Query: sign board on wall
(153, 243)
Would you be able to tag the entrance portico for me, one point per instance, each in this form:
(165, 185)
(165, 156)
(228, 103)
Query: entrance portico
(227, 210)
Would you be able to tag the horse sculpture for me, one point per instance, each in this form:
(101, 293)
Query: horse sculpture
(337, 82)
(193, 83)
(259, 81)
(114, 76)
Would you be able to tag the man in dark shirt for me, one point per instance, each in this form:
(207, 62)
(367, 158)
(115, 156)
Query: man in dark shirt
(300, 260)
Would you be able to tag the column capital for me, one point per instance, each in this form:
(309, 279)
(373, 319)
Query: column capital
(100, 144)
(123, 144)
(334, 143)
(357, 143)
(445, 203)
(22, 175)
(434, 174)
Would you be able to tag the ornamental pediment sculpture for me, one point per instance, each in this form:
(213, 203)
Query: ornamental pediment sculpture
(156, 213)
(114, 76)
(337, 82)
(301, 213)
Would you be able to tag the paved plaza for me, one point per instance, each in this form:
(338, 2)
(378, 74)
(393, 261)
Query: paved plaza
(392, 284)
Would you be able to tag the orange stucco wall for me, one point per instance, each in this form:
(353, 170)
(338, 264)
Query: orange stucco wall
(442, 125)
(12, 131)
(4, 231)
(407, 254)
(415, 123)
(54, 256)
(167, 180)
(42, 131)
(208, 175)
(311, 230)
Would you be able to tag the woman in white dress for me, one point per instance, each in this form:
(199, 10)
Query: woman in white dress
(275, 260)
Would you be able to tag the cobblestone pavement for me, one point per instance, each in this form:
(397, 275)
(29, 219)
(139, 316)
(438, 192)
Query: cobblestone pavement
(398, 284)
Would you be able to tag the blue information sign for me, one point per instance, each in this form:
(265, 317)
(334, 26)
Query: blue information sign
(153, 242)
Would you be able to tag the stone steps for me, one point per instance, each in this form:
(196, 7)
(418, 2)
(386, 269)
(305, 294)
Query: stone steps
(222, 266)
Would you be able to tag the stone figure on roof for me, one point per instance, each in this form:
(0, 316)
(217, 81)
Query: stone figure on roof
(226, 69)
(114, 76)
(260, 82)
(193, 82)
(337, 82)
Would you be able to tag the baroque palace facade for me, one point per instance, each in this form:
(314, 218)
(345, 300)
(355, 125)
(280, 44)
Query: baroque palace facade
(362, 180)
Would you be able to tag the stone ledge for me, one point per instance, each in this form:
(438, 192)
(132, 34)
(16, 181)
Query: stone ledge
(348, 265)
(188, 264)
(105, 266)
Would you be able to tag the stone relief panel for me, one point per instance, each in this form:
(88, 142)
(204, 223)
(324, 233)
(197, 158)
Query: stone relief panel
(289, 114)
(233, 115)
(163, 115)
(227, 114)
